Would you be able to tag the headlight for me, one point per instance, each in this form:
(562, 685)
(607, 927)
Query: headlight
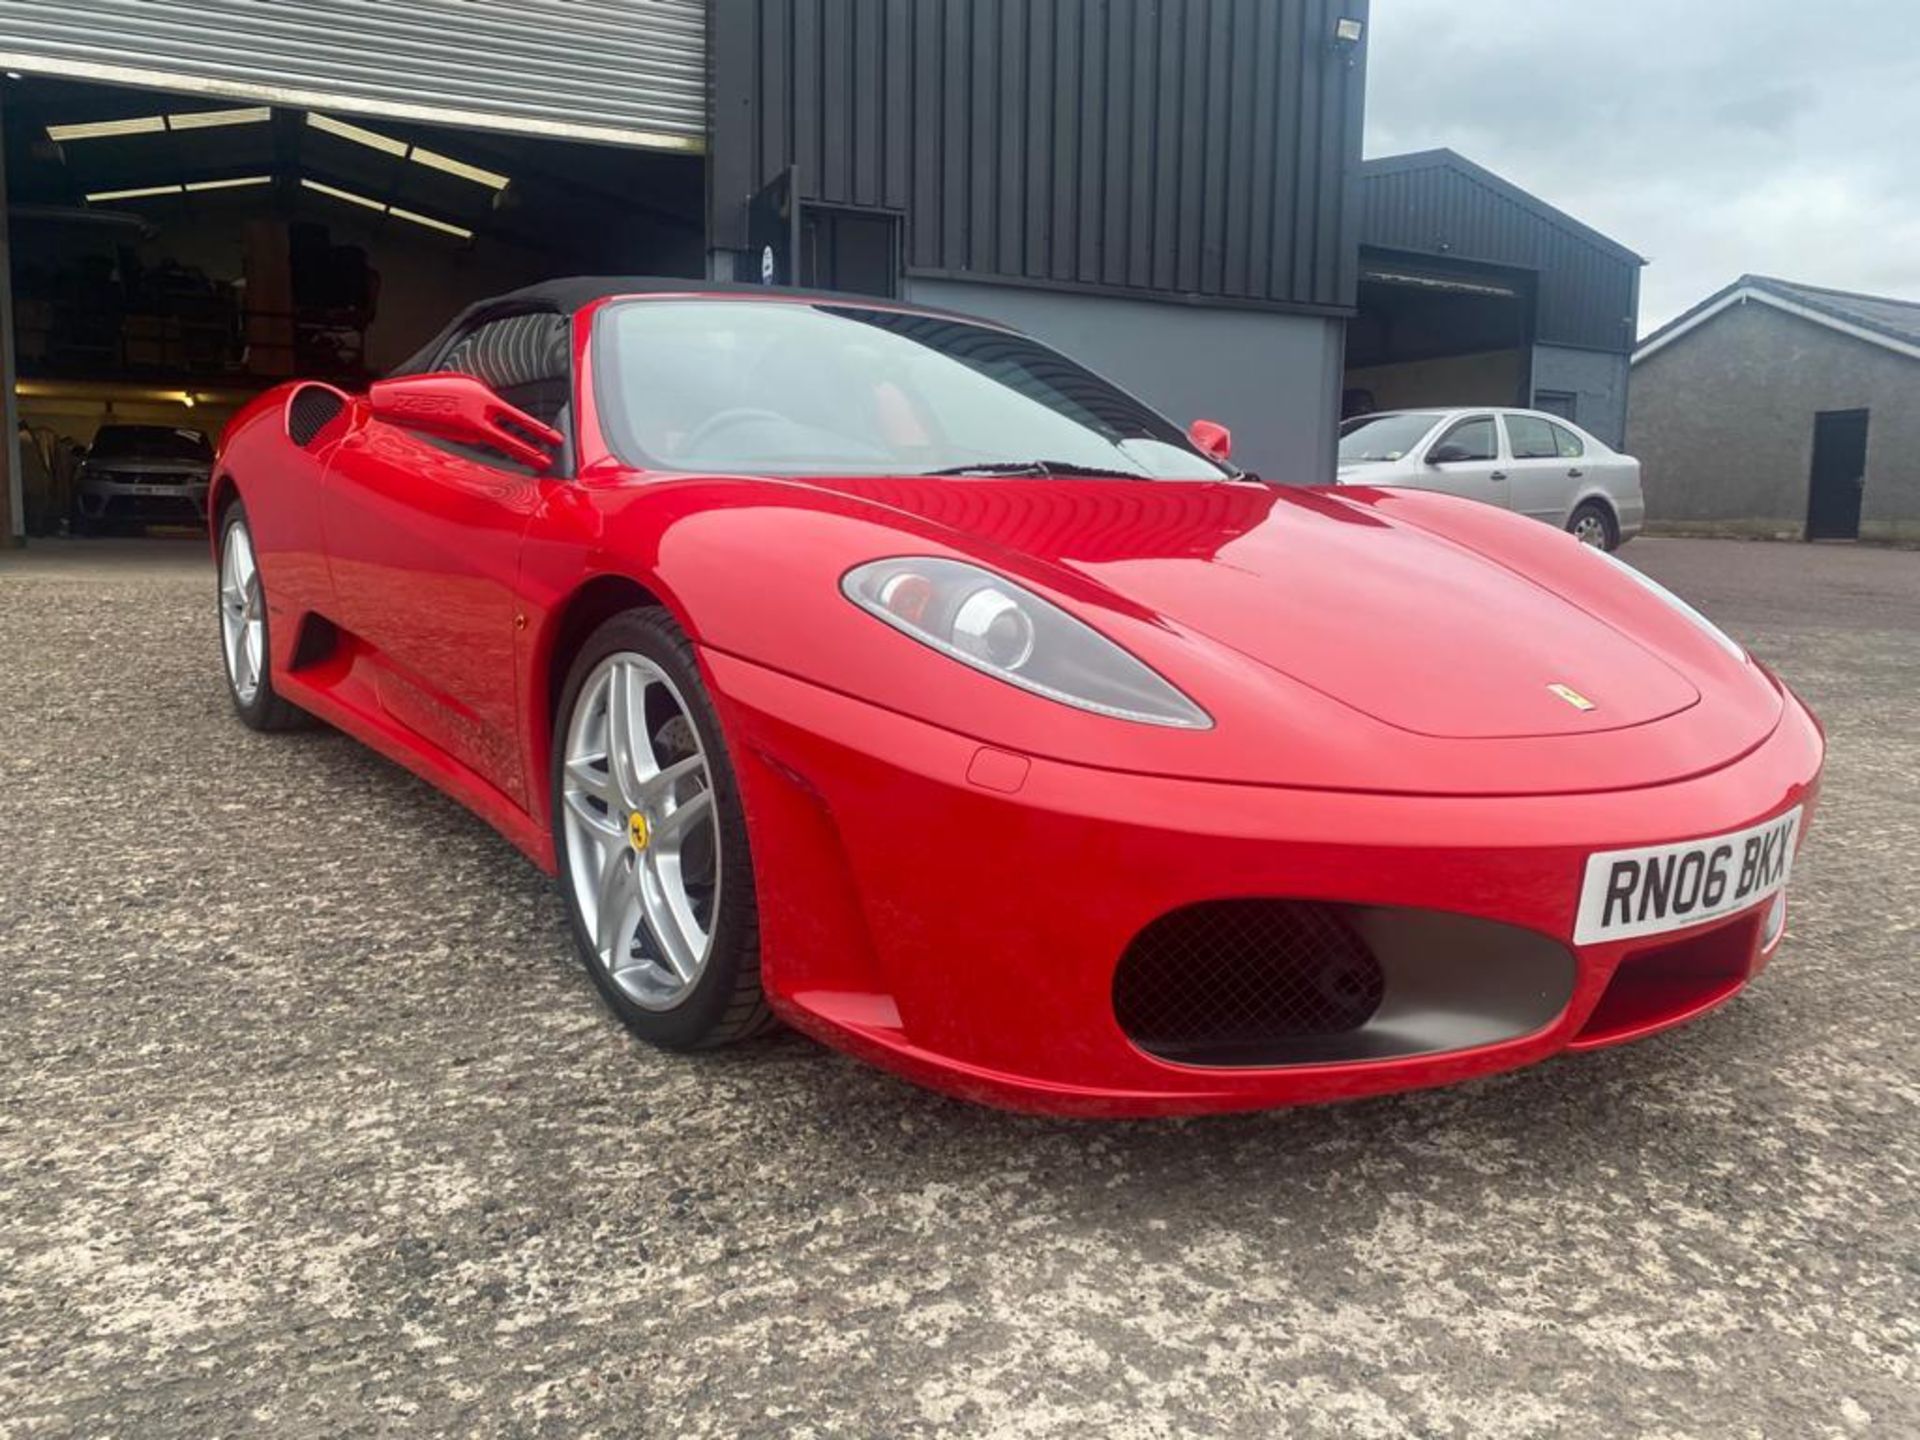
(986, 621)
(1673, 601)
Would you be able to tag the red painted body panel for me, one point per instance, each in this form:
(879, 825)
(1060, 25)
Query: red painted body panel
(949, 868)
(425, 550)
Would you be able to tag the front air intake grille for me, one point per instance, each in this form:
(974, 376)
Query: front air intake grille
(1230, 981)
(310, 411)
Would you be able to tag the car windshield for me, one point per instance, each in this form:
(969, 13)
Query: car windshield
(149, 442)
(1367, 439)
(779, 387)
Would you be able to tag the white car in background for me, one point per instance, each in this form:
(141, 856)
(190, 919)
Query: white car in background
(1522, 460)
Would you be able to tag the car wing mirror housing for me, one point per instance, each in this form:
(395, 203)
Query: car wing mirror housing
(461, 408)
(1445, 454)
(1211, 439)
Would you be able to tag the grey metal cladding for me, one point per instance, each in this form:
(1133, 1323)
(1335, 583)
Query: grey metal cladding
(1439, 203)
(632, 70)
(1204, 147)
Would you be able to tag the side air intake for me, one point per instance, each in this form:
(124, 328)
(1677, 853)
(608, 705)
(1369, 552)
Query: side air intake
(310, 411)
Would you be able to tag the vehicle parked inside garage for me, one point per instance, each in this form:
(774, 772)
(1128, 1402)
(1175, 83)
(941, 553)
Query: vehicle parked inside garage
(882, 670)
(1527, 461)
(138, 474)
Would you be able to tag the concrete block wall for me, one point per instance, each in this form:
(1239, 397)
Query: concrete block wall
(1722, 422)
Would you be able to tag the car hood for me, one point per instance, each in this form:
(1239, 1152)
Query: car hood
(1353, 638)
(1413, 629)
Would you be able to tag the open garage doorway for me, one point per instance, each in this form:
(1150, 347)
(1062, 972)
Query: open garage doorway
(173, 255)
(1435, 334)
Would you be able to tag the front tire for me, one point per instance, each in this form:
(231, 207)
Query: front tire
(1593, 524)
(651, 842)
(245, 643)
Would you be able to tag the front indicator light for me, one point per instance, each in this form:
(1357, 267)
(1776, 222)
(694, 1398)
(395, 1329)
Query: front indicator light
(992, 625)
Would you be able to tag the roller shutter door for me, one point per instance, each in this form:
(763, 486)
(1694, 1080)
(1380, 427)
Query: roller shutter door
(630, 72)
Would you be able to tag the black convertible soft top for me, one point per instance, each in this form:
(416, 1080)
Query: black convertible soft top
(565, 295)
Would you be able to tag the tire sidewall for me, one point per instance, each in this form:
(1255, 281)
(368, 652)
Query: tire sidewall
(653, 634)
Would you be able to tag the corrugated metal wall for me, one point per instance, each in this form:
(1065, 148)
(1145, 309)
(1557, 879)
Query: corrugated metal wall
(1194, 146)
(631, 71)
(1588, 286)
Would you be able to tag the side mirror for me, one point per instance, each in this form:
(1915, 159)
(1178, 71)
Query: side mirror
(1447, 453)
(459, 407)
(1211, 439)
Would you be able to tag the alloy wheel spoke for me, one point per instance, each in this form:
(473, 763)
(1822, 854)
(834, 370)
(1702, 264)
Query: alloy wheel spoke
(669, 918)
(629, 755)
(243, 567)
(658, 788)
(603, 825)
(671, 828)
(613, 900)
(585, 777)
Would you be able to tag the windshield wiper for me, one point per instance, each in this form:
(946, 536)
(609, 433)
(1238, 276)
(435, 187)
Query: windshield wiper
(1039, 467)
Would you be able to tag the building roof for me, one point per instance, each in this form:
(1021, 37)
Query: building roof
(1876, 319)
(1465, 169)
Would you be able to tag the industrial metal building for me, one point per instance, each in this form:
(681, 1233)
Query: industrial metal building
(1473, 292)
(207, 195)
(1783, 410)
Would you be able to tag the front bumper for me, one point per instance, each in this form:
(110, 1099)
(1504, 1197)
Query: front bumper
(956, 913)
(1631, 513)
(119, 500)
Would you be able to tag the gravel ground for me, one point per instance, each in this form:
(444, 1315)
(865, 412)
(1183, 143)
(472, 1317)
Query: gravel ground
(310, 1124)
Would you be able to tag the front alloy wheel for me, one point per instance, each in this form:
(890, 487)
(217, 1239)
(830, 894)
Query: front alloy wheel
(652, 841)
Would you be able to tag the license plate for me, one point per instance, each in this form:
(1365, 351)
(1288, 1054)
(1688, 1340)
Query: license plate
(1648, 891)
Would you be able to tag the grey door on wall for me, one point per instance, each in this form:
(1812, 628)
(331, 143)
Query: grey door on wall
(1839, 476)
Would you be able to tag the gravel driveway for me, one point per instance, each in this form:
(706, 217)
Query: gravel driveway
(310, 1124)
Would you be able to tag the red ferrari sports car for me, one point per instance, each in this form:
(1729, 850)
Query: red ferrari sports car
(883, 671)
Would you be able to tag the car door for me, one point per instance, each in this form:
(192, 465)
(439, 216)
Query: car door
(423, 538)
(1465, 459)
(1539, 482)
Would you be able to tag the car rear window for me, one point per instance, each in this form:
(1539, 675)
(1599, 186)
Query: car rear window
(1571, 446)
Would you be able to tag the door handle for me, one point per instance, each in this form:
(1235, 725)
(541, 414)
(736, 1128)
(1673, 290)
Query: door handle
(1498, 475)
(1575, 473)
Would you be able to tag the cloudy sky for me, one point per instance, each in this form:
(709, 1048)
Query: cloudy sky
(1715, 137)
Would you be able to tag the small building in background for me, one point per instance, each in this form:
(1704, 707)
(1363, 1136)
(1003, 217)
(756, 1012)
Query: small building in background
(1779, 409)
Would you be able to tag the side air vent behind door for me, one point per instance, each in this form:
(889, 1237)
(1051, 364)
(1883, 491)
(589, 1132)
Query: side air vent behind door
(310, 411)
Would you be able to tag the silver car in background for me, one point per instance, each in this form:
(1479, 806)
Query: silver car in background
(1522, 460)
(134, 474)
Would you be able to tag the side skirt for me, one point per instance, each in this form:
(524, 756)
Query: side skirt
(340, 689)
